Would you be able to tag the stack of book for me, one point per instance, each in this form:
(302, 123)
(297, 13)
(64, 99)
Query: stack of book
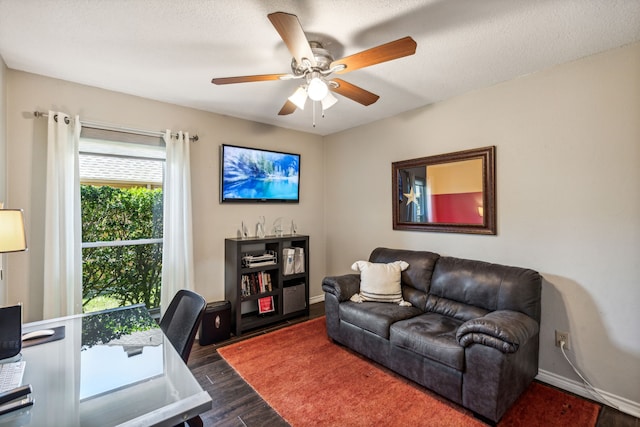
(256, 283)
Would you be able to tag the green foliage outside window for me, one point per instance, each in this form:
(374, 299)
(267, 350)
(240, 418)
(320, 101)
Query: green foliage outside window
(113, 324)
(122, 275)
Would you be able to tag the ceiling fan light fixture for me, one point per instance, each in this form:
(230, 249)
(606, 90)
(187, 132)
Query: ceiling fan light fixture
(299, 97)
(328, 101)
(317, 89)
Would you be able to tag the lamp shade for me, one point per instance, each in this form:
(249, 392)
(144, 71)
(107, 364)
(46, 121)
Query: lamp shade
(328, 101)
(299, 97)
(317, 89)
(12, 237)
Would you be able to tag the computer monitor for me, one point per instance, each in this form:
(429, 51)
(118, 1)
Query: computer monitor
(10, 331)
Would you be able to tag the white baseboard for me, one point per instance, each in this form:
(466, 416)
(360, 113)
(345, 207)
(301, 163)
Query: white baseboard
(316, 299)
(622, 404)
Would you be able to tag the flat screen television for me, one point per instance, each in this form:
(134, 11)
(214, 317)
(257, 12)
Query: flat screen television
(257, 175)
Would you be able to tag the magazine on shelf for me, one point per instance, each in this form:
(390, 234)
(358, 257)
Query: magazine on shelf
(298, 260)
(288, 257)
(265, 305)
(293, 260)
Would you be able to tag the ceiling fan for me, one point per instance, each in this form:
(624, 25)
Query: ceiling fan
(314, 65)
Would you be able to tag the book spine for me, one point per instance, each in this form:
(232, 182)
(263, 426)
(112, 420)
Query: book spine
(256, 283)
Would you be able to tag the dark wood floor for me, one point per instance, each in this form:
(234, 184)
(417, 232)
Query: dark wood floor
(236, 404)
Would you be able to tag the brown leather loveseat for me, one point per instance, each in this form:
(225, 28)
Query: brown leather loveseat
(470, 332)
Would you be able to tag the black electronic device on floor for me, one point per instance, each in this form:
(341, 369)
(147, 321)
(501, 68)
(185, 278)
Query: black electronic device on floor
(216, 323)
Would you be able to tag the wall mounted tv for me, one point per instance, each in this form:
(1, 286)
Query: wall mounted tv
(256, 175)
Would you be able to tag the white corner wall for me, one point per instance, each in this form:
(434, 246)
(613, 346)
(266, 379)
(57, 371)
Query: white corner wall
(568, 200)
(212, 221)
(3, 169)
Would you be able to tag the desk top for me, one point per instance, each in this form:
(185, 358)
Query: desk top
(111, 368)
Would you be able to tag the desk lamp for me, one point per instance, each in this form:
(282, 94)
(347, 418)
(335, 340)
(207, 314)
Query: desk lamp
(12, 239)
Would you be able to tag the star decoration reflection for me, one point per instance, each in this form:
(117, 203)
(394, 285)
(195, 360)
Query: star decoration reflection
(411, 197)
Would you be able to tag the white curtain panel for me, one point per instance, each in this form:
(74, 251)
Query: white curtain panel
(177, 251)
(63, 223)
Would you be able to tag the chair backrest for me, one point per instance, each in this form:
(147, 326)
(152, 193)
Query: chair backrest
(181, 320)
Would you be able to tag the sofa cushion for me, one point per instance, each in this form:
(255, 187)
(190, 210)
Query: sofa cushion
(379, 282)
(430, 335)
(421, 265)
(489, 286)
(450, 308)
(375, 317)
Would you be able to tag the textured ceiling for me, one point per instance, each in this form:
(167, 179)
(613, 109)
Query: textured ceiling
(170, 50)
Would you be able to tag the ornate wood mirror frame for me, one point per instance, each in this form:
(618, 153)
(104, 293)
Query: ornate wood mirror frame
(450, 193)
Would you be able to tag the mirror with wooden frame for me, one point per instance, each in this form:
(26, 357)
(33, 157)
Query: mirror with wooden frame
(451, 193)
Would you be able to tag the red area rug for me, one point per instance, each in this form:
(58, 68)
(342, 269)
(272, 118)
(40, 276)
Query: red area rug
(310, 381)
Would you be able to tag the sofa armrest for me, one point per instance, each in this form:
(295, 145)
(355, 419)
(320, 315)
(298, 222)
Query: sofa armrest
(343, 287)
(504, 330)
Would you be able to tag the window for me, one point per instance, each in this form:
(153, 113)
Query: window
(121, 179)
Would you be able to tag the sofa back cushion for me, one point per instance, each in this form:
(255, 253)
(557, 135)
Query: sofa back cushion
(484, 285)
(416, 279)
(455, 309)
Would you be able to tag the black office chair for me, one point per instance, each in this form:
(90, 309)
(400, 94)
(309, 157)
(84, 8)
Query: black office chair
(181, 320)
(180, 323)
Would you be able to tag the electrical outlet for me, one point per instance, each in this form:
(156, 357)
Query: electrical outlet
(562, 336)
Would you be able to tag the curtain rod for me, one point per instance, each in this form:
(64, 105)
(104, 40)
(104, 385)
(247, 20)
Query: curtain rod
(103, 126)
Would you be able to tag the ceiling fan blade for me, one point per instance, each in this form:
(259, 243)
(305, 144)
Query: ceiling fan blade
(354, 92)
(386, 52)
(288, 108)
(247, 79)
(290, 30)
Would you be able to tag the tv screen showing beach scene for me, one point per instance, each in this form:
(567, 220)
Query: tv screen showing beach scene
(257, 175)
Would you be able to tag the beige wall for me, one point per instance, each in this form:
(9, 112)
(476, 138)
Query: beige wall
(212, 222)
(3, 168)
(568, 199)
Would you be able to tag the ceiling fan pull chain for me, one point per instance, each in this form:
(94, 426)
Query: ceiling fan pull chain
(314, 112)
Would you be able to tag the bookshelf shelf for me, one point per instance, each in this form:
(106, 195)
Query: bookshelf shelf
(258, 296)
(246, 285)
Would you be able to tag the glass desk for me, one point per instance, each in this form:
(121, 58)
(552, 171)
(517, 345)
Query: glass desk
(111, 368)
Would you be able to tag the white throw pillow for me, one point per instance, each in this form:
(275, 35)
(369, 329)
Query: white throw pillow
(380, 282)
